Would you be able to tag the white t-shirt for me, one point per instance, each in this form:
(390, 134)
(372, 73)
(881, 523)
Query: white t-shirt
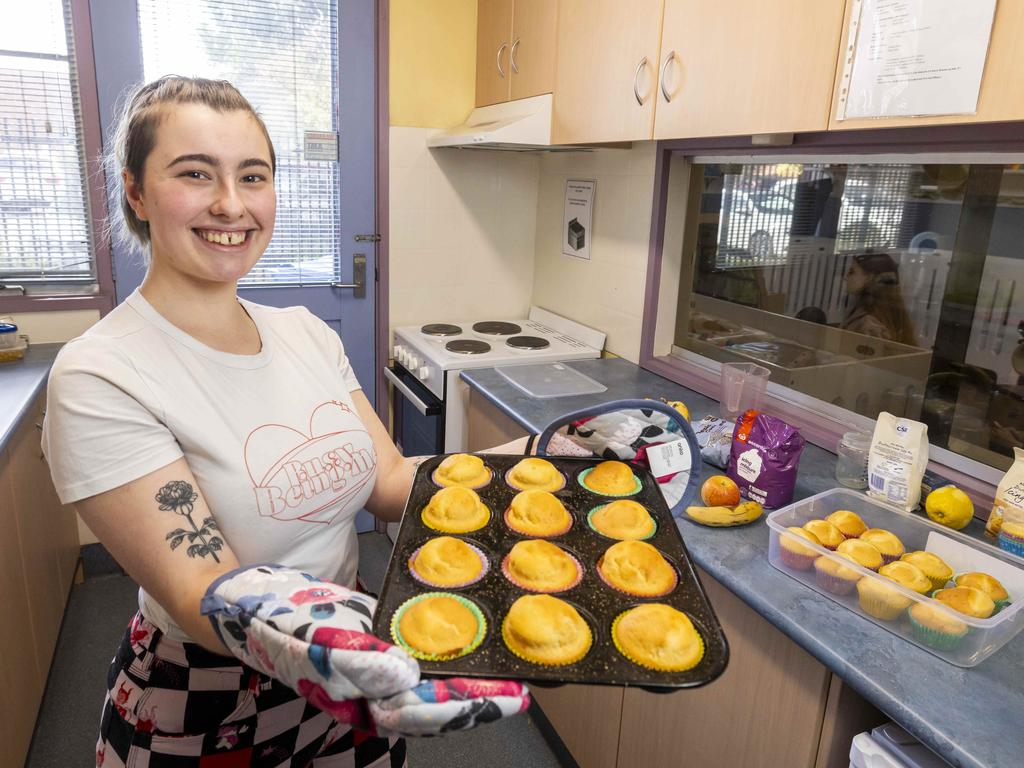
(273, 439)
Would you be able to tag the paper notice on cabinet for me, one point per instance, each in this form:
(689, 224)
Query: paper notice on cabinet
(577, 232)
(915, 57)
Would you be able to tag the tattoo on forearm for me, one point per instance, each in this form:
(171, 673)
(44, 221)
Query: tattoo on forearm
(178, 497)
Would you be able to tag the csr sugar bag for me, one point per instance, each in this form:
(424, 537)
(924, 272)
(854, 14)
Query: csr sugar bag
(897, 460)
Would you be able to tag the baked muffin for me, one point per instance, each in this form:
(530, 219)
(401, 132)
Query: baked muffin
(462, 469)
(445, 561)
(932, 566)
(535, 474)
(849, 523)
(936, 628)
(624, 520)
(540, 566)
(833, 575)
(437, 626)
(885, 541)
(865, 554)
(545, 630)
(455, 510)
(907, 574)
(968, 601)
(636, 568)
(538, 513)
(879, 599)
(987, 584)
(829, 536)
(611, 478)
(794, 552)
(658, 637)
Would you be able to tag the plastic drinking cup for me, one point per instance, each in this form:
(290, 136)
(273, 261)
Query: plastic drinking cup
(743, 385)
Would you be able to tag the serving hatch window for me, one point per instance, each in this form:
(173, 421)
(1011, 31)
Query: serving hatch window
(888, 286)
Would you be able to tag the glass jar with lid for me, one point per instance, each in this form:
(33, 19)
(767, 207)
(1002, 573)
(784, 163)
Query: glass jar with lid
(852, 459)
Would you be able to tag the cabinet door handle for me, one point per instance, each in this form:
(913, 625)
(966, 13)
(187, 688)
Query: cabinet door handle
(636, 81)
(500, 51)
(664, 67)
(512, 56)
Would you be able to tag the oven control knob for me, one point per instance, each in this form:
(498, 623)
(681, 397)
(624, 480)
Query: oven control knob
(403, 355)
(397, 351)
(424, 372)
(414, 362)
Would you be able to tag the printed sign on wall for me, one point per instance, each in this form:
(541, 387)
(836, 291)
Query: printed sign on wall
(577, 224)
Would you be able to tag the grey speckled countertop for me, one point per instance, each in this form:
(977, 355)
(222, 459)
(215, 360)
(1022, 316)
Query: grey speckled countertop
(971, 717)
(20, 382)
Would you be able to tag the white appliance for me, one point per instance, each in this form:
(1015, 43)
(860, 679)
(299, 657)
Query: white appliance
(522, 125)
(431, 402)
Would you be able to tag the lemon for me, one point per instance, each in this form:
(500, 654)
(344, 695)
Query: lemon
(680, 406)
(949, 506)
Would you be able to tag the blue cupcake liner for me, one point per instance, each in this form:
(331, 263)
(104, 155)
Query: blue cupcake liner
(1011, 544)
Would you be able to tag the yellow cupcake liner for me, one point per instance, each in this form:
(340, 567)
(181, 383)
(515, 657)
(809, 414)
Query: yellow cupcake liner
(536, 534)
(623, 590)
(549, 489)
(473, 487)
(579, 577)
(888, 608)
(521, 655)
(649, 665)
(396, 635)
(484, 567)
(431, 526)
(598, 508)
(582, 480)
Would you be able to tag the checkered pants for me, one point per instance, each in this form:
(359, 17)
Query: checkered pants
(177, 705)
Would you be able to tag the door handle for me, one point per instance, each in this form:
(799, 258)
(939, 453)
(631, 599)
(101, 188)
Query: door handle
(398, 384)
(500, 50)
(358, 275)
(664, 67)
(636, 78)
(512, 56)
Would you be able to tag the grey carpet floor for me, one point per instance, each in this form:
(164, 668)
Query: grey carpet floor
(98, 612)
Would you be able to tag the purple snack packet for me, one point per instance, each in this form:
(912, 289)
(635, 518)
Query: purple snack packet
(764, 458)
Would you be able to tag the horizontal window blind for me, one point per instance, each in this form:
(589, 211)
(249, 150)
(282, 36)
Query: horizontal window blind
(45, 232)
(283, 57)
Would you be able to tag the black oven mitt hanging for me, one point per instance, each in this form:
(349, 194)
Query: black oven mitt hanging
(626, 430)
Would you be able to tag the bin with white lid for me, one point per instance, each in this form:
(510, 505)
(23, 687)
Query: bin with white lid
(889, 746)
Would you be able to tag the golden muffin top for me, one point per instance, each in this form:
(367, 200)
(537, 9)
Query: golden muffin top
(863, 552)
(793, 543)
(907, 574)
(968, 601)
(445, 561)
(638, 568)
(623, 519)
(659, 637)
(546, 630)
(541, 566)
(825, 532)
(612, 477)
(462, 469)
(535, 474)
(456, 510)
(439, 625)
(538, 513)
(887, 542)
(849, 523)
(987, 584)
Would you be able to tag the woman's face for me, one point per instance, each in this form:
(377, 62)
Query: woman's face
(207, 193)
(856, 278)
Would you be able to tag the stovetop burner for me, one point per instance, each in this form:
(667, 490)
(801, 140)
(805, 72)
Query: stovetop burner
(468, 347)
(441, 329)
(496, 328)
(528, 342)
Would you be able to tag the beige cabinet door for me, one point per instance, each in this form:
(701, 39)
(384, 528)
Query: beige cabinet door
(493, 41)
(532, 55)
(1002, 85)
(606, 70)
(735, 67)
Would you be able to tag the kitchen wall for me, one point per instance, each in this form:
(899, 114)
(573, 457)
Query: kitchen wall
(49, 327)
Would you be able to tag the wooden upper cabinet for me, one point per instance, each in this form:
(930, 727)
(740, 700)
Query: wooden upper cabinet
(735, 67)
(606, 70)
(532, 53)
(493, 44)
(1002, 85)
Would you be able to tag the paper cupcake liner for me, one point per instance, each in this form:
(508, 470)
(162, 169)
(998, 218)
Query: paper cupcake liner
(508, 481)
(478, 486)
(1000, 604)
(508, 575)
(433, 527)
(582, 476)
(423, 580)
(835, 584)
(648, 665)
(481, 632)
(887, 608)
(886, 559)
(937, 582)
(1012, 544)
(933, 638)
(617, 588)
(534, 534)
(520, 655)
(598, 508)
(795, 560)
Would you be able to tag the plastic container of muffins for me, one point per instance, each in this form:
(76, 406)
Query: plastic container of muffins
(598, 603)
(973, 640)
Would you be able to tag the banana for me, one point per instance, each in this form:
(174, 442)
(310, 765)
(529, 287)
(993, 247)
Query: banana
(744, 513)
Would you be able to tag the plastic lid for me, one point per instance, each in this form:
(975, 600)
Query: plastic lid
(8, 328)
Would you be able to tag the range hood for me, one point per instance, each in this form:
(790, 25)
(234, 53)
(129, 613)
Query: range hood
(523, 125)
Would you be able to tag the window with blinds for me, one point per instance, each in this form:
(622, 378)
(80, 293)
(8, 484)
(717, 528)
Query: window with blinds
(283, 57)
(45, 232)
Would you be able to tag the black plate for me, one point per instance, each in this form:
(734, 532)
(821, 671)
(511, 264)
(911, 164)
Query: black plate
(600, 604)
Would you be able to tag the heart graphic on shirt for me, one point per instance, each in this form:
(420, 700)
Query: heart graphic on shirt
(310, 475)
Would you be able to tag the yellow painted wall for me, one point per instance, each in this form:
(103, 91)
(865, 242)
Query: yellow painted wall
(432, 62)
(56, 326)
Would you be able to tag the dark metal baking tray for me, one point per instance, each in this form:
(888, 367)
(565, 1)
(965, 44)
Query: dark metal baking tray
(598, 603)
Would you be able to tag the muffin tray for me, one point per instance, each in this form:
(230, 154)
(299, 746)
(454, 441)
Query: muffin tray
(598, 603)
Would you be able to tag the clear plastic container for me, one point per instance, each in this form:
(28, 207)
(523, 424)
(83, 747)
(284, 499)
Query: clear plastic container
(15, 352)
(9, 335)
(962, 553)
(852, 459)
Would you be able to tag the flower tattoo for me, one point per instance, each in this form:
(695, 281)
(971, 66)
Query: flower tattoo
(179, 497)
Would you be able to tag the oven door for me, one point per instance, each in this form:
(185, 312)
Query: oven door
(417, 415)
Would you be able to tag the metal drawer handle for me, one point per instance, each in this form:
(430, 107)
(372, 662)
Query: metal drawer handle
(500, 50)
(418, 404)
(636, 78)
(664, 90)
(512, 55)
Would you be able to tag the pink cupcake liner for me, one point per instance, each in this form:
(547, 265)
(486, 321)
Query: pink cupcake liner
(579, 577)
(834, 584)
(422, 580)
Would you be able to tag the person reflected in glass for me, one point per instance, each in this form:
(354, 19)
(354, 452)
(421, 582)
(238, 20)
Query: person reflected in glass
(876, 304)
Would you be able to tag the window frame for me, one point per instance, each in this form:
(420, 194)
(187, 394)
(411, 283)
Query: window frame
(96, 199)
(702, 374)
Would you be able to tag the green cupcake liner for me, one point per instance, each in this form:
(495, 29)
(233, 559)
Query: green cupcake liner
(396, 635)
(582, 476)
(599, 507)
(933, 638)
